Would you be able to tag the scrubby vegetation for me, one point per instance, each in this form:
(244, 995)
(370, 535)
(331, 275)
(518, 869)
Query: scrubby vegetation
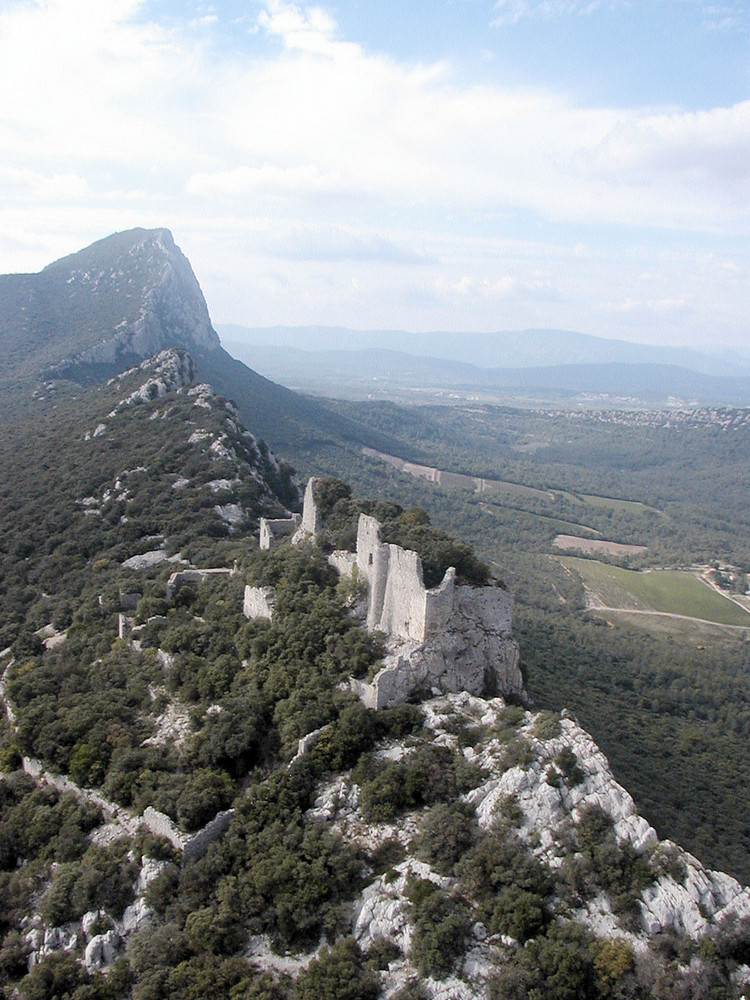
(95, 707)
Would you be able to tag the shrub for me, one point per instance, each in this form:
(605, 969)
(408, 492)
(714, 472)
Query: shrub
(426, 775)
(518, 913)
(382, 952)
(603, 863)
(440, 930)
(446, 833)
(55, 978)
(500, 874)
(508, 810)
(567, 762)
(518, 753)
(101, 880)
(547, 726)
(387, 854)
(338, 973)
(558, 964)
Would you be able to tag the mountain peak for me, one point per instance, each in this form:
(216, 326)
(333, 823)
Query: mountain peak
(122, 299)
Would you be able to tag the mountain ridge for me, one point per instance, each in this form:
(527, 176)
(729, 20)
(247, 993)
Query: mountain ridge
(502, 348)
(358, 373)
(466, 848)
(119, 300)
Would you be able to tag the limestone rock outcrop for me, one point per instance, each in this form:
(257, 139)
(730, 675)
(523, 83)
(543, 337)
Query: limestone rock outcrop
(166, 371)
(168, 310)
(259, 602)
(692, 900)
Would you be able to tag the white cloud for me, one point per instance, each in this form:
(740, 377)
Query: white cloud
(43, 187)
(243, 180)
(513, 11)
(731, 16)
(725, 16)
(309, 29)
(507, 287)
(338, 244)
(308, 158)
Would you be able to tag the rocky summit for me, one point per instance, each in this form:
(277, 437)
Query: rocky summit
(121, 299)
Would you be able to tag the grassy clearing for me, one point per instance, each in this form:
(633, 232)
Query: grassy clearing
(621, 506)
(515, 489)
(496, 508)
(671, 591)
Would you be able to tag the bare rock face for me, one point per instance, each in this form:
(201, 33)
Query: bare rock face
(259, 602)
(148, 282)
(166, 371)
(102, 950)
(684, 896)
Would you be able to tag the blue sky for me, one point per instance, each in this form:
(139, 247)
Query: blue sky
(462, 165)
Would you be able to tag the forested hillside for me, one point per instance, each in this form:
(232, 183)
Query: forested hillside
(668, 699)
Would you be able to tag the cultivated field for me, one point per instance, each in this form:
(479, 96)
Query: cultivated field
(674, 592)
(574, 543)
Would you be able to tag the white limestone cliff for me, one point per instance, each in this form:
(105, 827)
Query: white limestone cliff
(691, 904)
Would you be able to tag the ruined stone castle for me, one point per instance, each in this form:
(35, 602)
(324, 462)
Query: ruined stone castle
(442, 640)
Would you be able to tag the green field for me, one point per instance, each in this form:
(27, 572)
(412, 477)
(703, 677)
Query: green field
(613, 503)
(496, 509)
(671, 591)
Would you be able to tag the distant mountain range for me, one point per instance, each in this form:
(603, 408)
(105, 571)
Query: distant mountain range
(89, 315)
(551, 366)
(501, 349)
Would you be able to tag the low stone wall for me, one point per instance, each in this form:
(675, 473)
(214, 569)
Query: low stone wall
(192, 578)
(271, 529)
(162, 826)
(110, 810)
(197, 846)
(193, 846)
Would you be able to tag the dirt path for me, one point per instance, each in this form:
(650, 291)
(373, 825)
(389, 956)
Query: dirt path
(740, 601)
(595, 603)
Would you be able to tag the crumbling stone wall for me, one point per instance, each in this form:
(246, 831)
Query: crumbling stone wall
(193, 846)
(272, 529)
(192, 578)
(398, 602)
(200, 842)
(448, 639)
(312, 522)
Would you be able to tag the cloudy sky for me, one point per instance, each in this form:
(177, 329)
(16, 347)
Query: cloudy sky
(454, 165)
